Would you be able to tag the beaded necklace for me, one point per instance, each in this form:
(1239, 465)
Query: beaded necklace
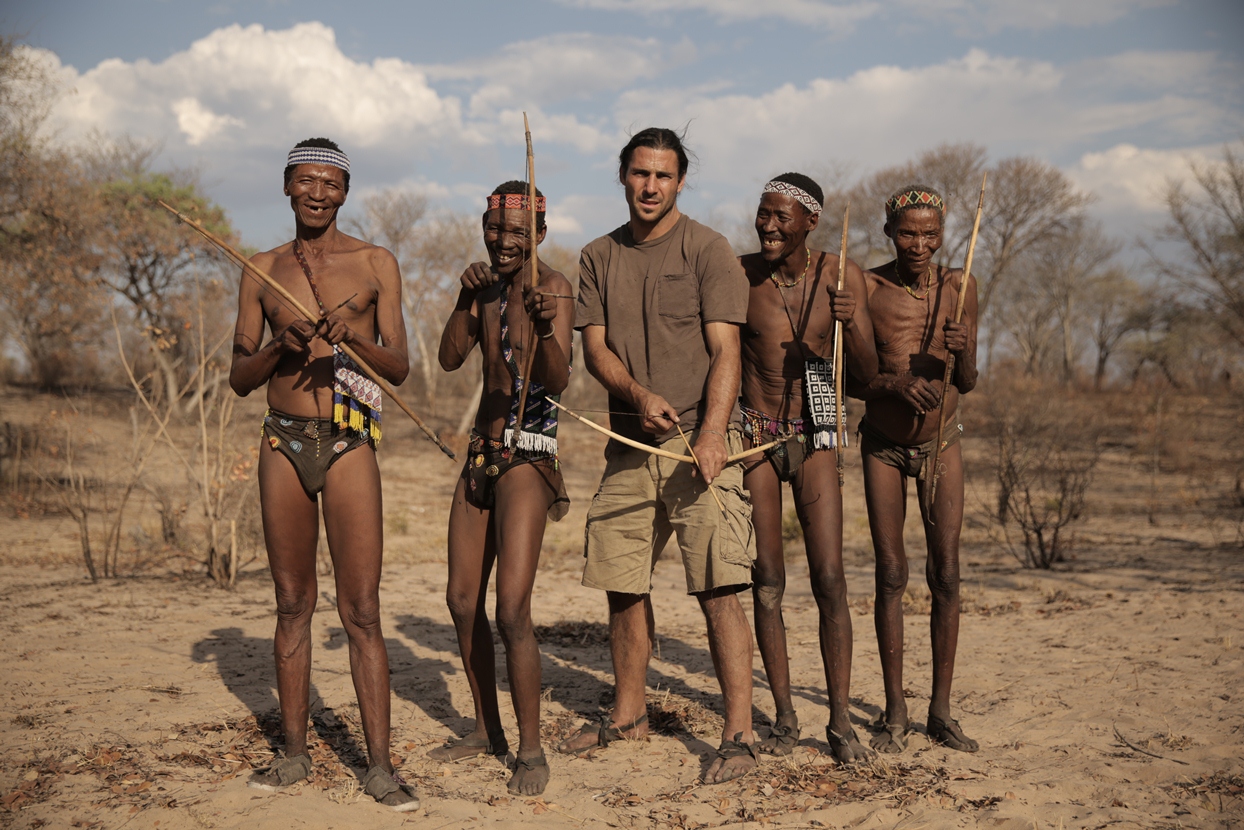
(773, 275)
(928, 273)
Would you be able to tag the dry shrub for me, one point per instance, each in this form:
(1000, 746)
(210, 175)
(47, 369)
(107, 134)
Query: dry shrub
(1046, 448)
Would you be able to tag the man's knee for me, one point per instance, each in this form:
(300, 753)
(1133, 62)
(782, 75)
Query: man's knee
(462, 604)
(768, 586)
(295, 603)
(360, 615)
(891, 578)
(944, 582)
(513, 620)
(829, 588)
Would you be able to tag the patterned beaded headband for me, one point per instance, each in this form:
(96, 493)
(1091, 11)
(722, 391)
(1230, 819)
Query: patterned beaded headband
(318, 155)
(914, 198)
(800, 195)
(513, 201)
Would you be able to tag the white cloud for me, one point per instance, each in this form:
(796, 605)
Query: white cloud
(835, 17)
(992, 16)
(885, 114)
(562, 66)
(274, 86)
(198, 122)
(1129, 179)
(839, 16)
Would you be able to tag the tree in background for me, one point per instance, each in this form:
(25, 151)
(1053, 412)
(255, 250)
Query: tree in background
(152, 261)
(1207, 227)
(48, 215)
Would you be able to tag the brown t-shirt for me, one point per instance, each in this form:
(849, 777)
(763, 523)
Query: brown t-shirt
(653, 298)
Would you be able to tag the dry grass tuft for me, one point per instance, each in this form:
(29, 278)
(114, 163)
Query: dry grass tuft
(671, 714)
(573, 633)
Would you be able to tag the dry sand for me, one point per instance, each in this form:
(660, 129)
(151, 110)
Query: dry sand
(144, 702)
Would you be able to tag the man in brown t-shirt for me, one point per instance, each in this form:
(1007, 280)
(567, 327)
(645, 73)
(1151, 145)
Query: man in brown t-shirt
(660, 303)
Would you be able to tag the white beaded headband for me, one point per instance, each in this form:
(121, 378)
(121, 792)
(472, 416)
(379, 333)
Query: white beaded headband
(318, 155)
(800, 195)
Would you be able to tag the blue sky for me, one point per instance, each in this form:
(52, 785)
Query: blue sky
(1120, 94)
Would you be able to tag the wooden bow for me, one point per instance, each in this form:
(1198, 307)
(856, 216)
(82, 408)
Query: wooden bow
(950, 356)
(839, 424)
(673, 456)
(249, 268)
(529, 353)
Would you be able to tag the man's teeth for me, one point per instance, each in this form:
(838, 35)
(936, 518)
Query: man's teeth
(772, 243)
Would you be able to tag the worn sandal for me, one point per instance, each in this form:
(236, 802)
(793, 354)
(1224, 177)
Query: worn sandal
(390, 790)
(283, 773)
(841, 747)
(735, 748)
(948, 733)
(474, 745)
(783, 735)
(891, 738)
(523, 767)
(605, 733)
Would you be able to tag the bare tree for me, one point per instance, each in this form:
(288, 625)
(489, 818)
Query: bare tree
(1028, 201)
(1115, 306)
(1066, 263)
(432, 250)
(1207, 224)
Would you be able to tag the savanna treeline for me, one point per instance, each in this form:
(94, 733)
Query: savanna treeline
(105, 298)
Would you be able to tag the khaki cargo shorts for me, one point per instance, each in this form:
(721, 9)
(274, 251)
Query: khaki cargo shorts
(644, 498)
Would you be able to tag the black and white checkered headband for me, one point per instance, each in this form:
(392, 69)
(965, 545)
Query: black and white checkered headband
(797, 193)
(318, 155)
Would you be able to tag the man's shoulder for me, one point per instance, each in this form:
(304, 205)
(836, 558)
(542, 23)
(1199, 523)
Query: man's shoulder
(700, 234)
(617, 238)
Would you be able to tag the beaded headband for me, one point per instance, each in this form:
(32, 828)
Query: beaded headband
(914, 198)
(513, 201)
(800, 195)
(318, 155)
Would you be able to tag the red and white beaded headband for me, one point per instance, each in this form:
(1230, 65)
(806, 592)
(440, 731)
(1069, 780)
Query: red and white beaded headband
(800, 195)
(513, 201)
(318, 155)
(914, 198)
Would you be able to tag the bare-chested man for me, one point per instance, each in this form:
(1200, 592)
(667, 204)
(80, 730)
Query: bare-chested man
(320, 433)
(504, 495)
(661, 299)
(791, 311)
(912, 302)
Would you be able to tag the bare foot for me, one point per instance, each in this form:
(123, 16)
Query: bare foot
(531, 775)
(783, 737)
(734, 760)
(471, 746)
(589, 736)
(948, 733)
(846, 747)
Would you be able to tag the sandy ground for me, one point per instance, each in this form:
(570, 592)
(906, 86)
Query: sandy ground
(1107, 693)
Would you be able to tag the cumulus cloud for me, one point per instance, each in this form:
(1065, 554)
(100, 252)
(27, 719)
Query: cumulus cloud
(271, 84)
(1010, 105)
(992, 16)
(1128, 179)
(832, 16)
(842, 16)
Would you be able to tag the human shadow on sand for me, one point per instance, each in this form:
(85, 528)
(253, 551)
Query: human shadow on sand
(245, 666)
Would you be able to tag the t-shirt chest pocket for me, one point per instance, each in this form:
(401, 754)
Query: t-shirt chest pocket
(678, 296)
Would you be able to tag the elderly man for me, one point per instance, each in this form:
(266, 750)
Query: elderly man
(912, 301)
(507, 487)
(660, 303)
(320, 434)
(788, 385)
